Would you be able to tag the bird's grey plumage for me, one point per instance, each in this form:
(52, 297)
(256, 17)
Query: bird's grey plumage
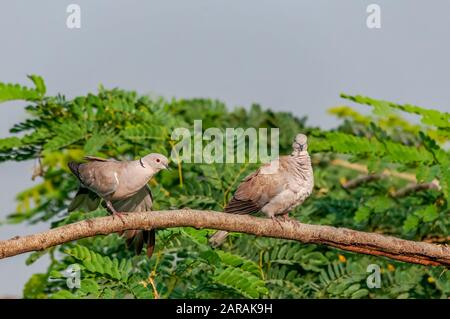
(142, 201)
(275, 188)
(115, 180)
(123, 187)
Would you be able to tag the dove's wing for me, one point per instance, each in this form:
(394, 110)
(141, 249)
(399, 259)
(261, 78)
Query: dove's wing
(100, 177)
(98, 159)
(84, 200)
(142, 201)
(243, 201)
(87, 198)
(257, 189)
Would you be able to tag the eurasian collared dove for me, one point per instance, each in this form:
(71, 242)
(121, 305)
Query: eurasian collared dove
(123, 187)
(275, 188)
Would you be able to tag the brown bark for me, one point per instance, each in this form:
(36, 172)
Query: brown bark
(413, 188)
(361, 180)
(386, 173)
(342, 238)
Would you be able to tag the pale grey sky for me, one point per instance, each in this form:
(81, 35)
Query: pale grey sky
(292, 55)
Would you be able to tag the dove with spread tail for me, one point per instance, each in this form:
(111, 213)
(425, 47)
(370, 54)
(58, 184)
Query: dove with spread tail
(275, 188)
(123, 187)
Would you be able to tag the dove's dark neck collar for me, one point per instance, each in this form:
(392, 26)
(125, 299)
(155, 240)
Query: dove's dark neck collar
(141, 162)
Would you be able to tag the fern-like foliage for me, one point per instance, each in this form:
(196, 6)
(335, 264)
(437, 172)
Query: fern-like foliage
(124, 125)
(9, 92)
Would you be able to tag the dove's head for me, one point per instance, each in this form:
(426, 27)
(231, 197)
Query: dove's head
(300, 143)
(155, 161)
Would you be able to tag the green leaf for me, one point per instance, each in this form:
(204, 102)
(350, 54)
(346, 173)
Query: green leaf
(95, 143)
(444, 179)
(35, 287)
(89, 286)
(361, 293)
(380, 204)
(35, 256)
(39, 83)
(428, 214)
(362, 214)
(9, 143)
(10, 92)
(64, 294)
(411, 223)
(404, 295)
(97, 263)
(141, 291)
(210, 256)
(429, 117)
(145, 132)
(65, 134)
(244, 282)
(55, 274)
(238, 261)
(426, 174)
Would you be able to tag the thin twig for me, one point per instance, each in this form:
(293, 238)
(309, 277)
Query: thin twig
(386, 173)
(413, 188)
(362, 179)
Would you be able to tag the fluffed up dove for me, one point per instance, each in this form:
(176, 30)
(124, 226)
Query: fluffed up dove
(123, 187)
(275, 188)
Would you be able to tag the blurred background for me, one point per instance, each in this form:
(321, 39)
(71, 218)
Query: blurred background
(295, 56)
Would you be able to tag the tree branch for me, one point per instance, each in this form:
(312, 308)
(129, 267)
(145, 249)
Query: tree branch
(412, 188)
(342, 238)
(386, 173)
(362, 179)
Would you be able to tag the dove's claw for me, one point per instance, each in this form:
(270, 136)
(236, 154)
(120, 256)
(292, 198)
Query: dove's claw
(286, 218)
(275, 219)
(110, 207)
(120, 215)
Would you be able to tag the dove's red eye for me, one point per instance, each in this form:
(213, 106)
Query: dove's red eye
(158, 160)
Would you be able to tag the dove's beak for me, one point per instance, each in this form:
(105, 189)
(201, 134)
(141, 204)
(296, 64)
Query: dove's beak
(167, 167)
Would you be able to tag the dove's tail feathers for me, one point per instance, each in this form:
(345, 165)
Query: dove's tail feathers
(151, 234)
(139, 242)
(218, 238)
(135, 239)
(74, 167)
(141, 202)
(84, 200)
(236, 206)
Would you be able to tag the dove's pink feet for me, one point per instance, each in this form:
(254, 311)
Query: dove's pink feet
(286, 218)
(120, 215)
(275, 219)
(114, 212)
